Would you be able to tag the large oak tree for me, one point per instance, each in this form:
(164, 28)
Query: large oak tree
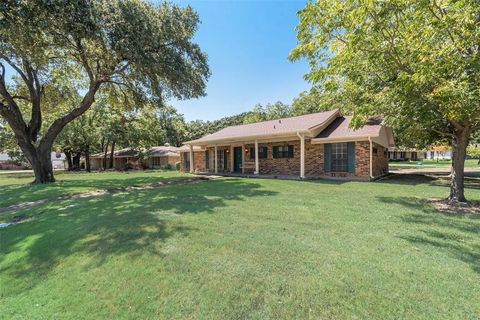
(416, 62)
(132, 50)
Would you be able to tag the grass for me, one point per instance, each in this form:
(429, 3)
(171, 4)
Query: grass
(16, 188)
(426, 163)
(246, 249)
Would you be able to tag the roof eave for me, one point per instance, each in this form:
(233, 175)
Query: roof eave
(342, 139)
(199, 142)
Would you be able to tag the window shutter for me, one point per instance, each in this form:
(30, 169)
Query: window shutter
(351, 156)
(275, 152)
(290, 151)
(327, 161)
(207, 158)
(252, 153)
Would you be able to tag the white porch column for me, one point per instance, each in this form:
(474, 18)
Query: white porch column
(215, 157)
(191, 159)
(257, 171)
(302, 157)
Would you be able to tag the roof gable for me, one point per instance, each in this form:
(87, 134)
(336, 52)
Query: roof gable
(340, 128)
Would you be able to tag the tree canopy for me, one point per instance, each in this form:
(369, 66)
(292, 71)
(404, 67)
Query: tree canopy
(414, 62)
(131, 50)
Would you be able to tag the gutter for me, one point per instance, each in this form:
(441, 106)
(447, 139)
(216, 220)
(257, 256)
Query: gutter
(371, 157)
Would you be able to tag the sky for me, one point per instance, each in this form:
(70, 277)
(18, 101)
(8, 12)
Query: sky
(247, 43)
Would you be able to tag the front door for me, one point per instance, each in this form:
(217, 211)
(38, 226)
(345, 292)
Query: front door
(237, 159)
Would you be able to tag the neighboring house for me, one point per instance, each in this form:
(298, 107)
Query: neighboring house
(156, 157)
(400, 154)
(4, 158)
(58, 162)
(439, 155)
(308, 146)
(414, 155)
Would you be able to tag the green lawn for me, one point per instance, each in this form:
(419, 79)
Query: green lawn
(15, 188)
(470, 163)
(243, 249)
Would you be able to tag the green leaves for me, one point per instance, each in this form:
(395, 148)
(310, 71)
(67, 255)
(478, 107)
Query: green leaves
(415, 62)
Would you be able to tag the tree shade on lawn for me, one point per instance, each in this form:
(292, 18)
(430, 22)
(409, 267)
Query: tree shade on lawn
(246, 248)
(132, 50)
(371, 56)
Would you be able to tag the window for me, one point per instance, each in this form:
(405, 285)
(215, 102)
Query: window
(156, 162)
(339, 157)
(186, 160)
(283, 151)
(207, 159)
(220, 159)
(262, 153)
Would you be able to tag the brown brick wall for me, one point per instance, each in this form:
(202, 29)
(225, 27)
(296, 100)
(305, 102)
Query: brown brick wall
(314, 159)
(380, 161)
(198, 161)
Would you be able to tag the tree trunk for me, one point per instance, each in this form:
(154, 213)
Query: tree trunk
(68, 155)
(112, 153)
(76, 161)
(40, 159)
(459, 151)
(42, 166)
(87, 159)
(104, 162)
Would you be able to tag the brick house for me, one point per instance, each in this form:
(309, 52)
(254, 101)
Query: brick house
(153, 158)
(309, 146)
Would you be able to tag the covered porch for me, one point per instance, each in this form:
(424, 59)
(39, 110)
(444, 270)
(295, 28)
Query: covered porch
(283, 157)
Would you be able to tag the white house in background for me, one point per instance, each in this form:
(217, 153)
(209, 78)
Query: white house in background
(401, 154)
(4, 157)
(439, 155)
(58, 161)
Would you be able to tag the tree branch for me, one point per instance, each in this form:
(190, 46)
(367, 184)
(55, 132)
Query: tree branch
(84, 60)
(2, 76)
(33, 85)
(21, 97)
(57, 126)
(444, 134)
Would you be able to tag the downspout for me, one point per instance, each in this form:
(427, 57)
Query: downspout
(371, 157)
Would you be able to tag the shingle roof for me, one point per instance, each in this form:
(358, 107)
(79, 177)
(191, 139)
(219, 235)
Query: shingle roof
(339, 128)
(186, 148)
(159, 151)
(163, 151)
(272, 127)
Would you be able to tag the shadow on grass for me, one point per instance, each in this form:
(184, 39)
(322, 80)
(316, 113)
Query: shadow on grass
(457, 235)
(432, 180)
(123, 224)
(18, 193)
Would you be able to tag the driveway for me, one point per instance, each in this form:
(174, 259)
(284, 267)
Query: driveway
(470, 172)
